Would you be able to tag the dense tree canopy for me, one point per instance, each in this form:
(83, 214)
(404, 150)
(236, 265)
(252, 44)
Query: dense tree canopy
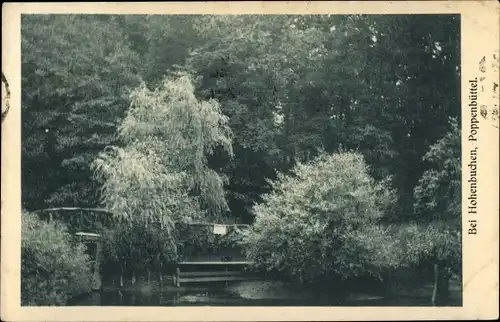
(74, 92)
(290, 85)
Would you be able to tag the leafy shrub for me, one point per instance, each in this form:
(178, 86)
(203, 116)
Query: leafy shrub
(428, 244)
(53, 267)
(323, 220)
(129, 248)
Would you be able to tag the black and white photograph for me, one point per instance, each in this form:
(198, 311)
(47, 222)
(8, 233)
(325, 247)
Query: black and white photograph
(244, 160)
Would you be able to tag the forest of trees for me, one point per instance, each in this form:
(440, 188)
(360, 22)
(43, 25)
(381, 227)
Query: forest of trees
(254, 119)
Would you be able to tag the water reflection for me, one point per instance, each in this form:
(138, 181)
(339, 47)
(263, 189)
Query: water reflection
(169, 298)
(242, 294)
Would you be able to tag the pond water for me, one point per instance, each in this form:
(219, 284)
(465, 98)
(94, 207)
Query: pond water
(259, 293)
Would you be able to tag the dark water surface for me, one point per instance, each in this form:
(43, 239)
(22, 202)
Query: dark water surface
(240, 294)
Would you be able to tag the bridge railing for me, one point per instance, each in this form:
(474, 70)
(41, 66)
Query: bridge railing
(193, 237)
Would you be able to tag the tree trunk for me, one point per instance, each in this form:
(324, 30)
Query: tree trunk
(157, 268)
(441, 292)
(436, 284)
(121, 277)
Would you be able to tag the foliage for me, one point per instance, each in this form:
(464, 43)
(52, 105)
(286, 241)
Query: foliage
(53, 267)
(430, 244)
(165, 136)
(76, 73)
(194, 240)
(437, 206)
(294, 85)
(160, 174)
(133, 248)
(162, 41)
(323, 220)
(438, 193)
(129, 248)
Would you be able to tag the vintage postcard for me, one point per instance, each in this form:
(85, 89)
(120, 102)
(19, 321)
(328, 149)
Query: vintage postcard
(248, 161)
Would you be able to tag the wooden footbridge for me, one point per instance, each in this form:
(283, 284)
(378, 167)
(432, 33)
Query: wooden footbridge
(224, 265)
(216, 272)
